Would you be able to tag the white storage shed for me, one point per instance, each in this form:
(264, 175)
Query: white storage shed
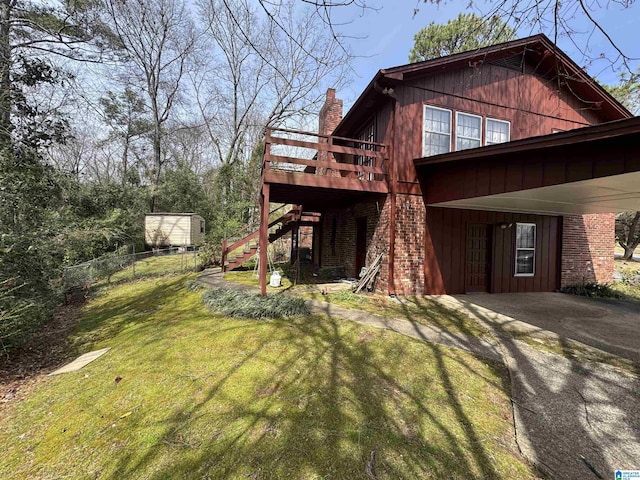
(173, 230)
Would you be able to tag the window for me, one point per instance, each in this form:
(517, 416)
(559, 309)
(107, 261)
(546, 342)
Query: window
(498, 131)
(437, 131)
(468, 131)
(201, 226)
(525, 249)
(368, 134)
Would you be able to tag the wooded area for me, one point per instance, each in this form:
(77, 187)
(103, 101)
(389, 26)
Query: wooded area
(110, 110)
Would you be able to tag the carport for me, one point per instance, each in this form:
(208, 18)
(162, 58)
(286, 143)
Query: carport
(610, 325)
(545, 181)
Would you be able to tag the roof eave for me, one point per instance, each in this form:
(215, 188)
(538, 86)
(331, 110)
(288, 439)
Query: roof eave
(580, 135)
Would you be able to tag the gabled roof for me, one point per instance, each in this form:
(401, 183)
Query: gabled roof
(540, 52)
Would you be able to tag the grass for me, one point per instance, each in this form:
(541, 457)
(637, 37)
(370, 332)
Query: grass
(204, 396)
(156, 266)
(415, 309)
(628, 268)
(249, 277)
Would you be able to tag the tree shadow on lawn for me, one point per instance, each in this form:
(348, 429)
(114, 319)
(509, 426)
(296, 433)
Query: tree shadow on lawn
(333, 393)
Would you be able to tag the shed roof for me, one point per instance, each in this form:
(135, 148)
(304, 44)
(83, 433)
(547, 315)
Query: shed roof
(175, 214)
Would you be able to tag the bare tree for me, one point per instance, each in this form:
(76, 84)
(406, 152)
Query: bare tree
(159, 39)
(628, 232)
(259, 73)
(576, 21)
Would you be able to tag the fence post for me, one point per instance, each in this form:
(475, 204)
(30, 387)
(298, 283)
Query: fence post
(133, 249)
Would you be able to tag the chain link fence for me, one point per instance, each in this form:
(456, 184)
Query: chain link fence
(114, 267)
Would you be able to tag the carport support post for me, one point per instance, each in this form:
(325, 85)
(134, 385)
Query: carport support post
(264, 237)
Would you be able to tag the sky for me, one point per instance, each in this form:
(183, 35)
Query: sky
(382, 37)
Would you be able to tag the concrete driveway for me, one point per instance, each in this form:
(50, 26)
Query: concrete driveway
(610, 325)
(574, 419)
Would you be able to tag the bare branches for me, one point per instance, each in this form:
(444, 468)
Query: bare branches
(159, 37)
(575, 22)
(257, 72)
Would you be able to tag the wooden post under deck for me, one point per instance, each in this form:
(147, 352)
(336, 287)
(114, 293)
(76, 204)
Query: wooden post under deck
(264, 237)
(223, 260)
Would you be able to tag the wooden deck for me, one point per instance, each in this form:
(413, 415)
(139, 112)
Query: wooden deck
(332, 163)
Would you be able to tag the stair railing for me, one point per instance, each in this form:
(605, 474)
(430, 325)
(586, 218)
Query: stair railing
(295, 212)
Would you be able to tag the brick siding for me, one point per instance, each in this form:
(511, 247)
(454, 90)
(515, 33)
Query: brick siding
(343, 253)
(587, 248)
(409, 248)
(410, 216)
(328, 119)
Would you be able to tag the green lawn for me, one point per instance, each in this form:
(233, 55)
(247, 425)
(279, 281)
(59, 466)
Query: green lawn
(628, 268)
(202, 396)
(158, 265)
(416, 309)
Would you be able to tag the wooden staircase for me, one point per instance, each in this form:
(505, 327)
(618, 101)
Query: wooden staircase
(247, 246)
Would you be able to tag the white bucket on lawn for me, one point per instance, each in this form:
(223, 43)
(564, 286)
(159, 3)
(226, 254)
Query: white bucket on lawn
(275, 279)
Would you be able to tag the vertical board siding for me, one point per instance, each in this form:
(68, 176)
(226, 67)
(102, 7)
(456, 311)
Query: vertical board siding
(445, 251)
(532, 104)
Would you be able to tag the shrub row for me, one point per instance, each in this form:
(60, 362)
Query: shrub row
(232, 303)
(592, 289)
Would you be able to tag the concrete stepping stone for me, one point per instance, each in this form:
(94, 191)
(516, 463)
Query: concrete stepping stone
(81, 361)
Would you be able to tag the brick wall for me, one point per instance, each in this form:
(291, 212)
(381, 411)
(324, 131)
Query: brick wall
(587, 248)
(409, 249)
(328, 119)
(410, 217)
(343, 252)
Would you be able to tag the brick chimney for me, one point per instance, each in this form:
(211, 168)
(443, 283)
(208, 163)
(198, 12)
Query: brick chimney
(329, 118)
(330, 113)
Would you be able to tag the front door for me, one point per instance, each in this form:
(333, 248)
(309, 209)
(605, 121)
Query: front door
(478, 265)
(361, 244)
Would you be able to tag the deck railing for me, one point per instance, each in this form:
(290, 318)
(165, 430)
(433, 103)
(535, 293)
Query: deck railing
(326, 155)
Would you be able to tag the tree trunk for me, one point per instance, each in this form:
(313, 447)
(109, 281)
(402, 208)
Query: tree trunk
(157, 155)
(5, 68)
(628, 251)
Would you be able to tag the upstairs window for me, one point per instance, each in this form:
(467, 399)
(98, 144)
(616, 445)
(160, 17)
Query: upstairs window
(368, 134)
(525, 249)
(498, 131)
(436, 132)
(468, 131)
(201, 226)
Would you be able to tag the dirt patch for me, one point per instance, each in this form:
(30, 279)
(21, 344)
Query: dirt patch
(45, 351)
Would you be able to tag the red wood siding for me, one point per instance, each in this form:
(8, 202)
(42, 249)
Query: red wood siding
(533, 105)
(525, 170)
(445, 251)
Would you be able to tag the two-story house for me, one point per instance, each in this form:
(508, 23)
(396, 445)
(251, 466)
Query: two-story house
(494, 170)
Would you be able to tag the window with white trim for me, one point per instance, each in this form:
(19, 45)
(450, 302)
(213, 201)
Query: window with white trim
(525, 249)
(497, 131)
(436, 138)
(468, 131)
